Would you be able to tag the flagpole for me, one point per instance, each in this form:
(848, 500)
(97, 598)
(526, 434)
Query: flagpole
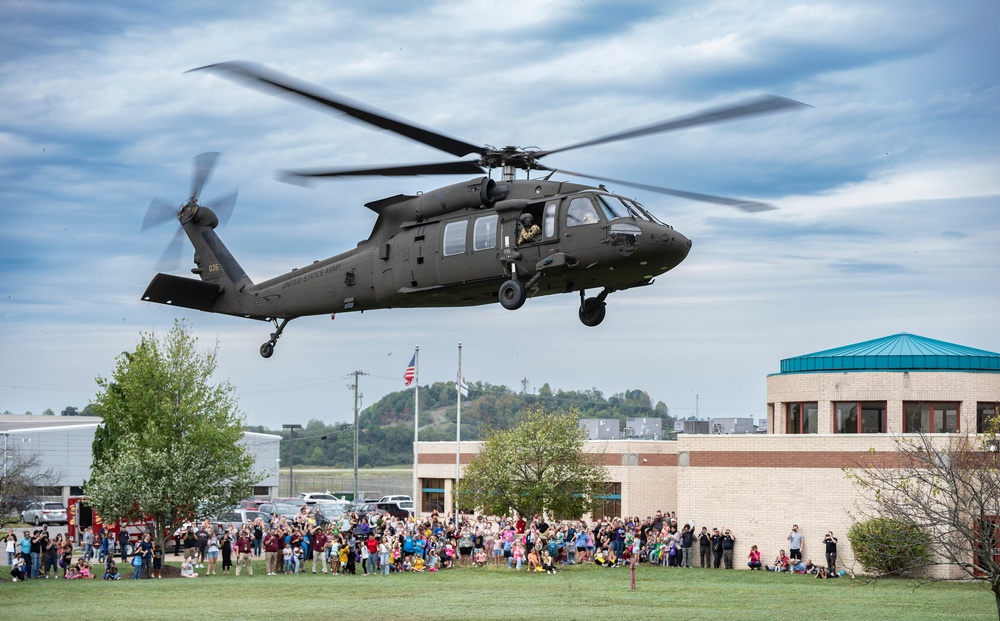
(416, 427)
(458, 432)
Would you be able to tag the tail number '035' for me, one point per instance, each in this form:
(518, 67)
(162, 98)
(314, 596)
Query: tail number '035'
(213, 268)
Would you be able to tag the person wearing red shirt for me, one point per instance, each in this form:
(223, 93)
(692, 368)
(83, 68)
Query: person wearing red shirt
(272, 547)
(244, 546)
(319, 539)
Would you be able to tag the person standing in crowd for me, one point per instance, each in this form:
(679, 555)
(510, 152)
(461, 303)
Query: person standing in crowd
(212, 555)
(145, 551)
(831, 552)
(258, 536)
(35, 549)
(157, 560)
(687, 542)
(318, 545)
(244, 546)
(226, 548)
(272, 549)
(716, 548)
(704, 548)
(795, 541)
(11, 542)
(25, 546)
(728, 542)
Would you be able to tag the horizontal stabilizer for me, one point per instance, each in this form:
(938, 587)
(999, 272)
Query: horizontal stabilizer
(180, 291)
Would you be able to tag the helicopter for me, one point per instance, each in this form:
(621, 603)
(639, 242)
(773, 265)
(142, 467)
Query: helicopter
(474, 242)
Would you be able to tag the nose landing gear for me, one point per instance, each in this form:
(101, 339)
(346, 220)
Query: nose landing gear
(268, 347)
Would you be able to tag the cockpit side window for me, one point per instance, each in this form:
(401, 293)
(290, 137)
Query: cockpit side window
(580, 212)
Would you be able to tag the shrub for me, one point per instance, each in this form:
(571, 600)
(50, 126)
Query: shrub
(887, 547)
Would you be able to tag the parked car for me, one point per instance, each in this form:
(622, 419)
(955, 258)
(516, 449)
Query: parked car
(313, 497)
(396, 498)
(240, 518)
(39, 513)
(394, 509)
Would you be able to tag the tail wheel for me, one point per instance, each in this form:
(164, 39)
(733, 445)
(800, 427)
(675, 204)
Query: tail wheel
(592, 312)
(512, 294)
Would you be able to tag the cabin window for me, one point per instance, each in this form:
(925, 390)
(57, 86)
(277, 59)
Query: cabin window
(484, 234)
(930, 417)
(549, 220)
(454, 237)
(581, 211)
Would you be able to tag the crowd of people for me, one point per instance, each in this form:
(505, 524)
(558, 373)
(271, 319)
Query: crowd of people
(380, 545)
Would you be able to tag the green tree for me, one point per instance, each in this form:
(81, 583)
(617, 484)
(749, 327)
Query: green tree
(539, 466)
(70, 411)
(169, 445)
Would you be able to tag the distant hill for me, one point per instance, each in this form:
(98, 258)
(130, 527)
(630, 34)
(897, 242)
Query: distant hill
(386, 427)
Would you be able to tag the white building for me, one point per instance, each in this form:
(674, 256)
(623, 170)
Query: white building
(63, 444)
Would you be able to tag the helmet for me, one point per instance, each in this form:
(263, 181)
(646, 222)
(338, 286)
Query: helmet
(526, 219)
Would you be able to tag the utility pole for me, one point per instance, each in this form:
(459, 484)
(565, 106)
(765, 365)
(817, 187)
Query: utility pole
(355, 387)
(291, 456)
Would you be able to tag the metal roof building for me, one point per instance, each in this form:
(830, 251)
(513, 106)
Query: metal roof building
(63, 445)
(899, 352)
(901, 383)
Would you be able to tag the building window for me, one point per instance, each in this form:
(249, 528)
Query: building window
(454, 237)
(930, 417)
(987, 417)
(609, 504)
(432, 495)
(802, 417)
(859, 417)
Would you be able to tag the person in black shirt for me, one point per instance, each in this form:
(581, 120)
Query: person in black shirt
(716, 548)
(704, 548)
(831, 553)
(728, 541)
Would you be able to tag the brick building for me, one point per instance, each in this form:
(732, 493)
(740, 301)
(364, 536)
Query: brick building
(825, 411)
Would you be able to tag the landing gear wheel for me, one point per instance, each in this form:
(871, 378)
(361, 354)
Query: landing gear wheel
(268, 347)
(592, 312)
(512, 294)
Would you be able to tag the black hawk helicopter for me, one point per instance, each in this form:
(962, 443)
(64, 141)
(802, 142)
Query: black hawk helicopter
(475, 242)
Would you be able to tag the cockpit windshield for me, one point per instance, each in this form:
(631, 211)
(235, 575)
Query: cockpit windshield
(646, 214)
(613, 207)
(617, 207)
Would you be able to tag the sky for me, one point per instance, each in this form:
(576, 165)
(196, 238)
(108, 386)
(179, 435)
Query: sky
(888, 186)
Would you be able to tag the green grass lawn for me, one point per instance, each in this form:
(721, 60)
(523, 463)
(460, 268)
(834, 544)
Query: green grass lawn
(589, 592)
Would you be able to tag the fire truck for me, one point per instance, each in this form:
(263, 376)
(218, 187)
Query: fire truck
(80, 515)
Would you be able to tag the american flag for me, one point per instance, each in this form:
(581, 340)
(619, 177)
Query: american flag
(411, 371)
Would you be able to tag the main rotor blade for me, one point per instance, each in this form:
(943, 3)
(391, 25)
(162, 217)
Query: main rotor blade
(268, 79)
(170, 260)
(203, 166)
(738, 203)
(444, 168)
(158, 212)
(223, 207)
(761, 105)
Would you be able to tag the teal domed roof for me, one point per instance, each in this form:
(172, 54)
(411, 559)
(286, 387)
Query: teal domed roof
(899, 352)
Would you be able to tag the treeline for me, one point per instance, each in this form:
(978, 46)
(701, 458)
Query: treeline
(385, 429)
(68, 411)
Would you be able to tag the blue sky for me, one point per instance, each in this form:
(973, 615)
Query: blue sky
(888, 187)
